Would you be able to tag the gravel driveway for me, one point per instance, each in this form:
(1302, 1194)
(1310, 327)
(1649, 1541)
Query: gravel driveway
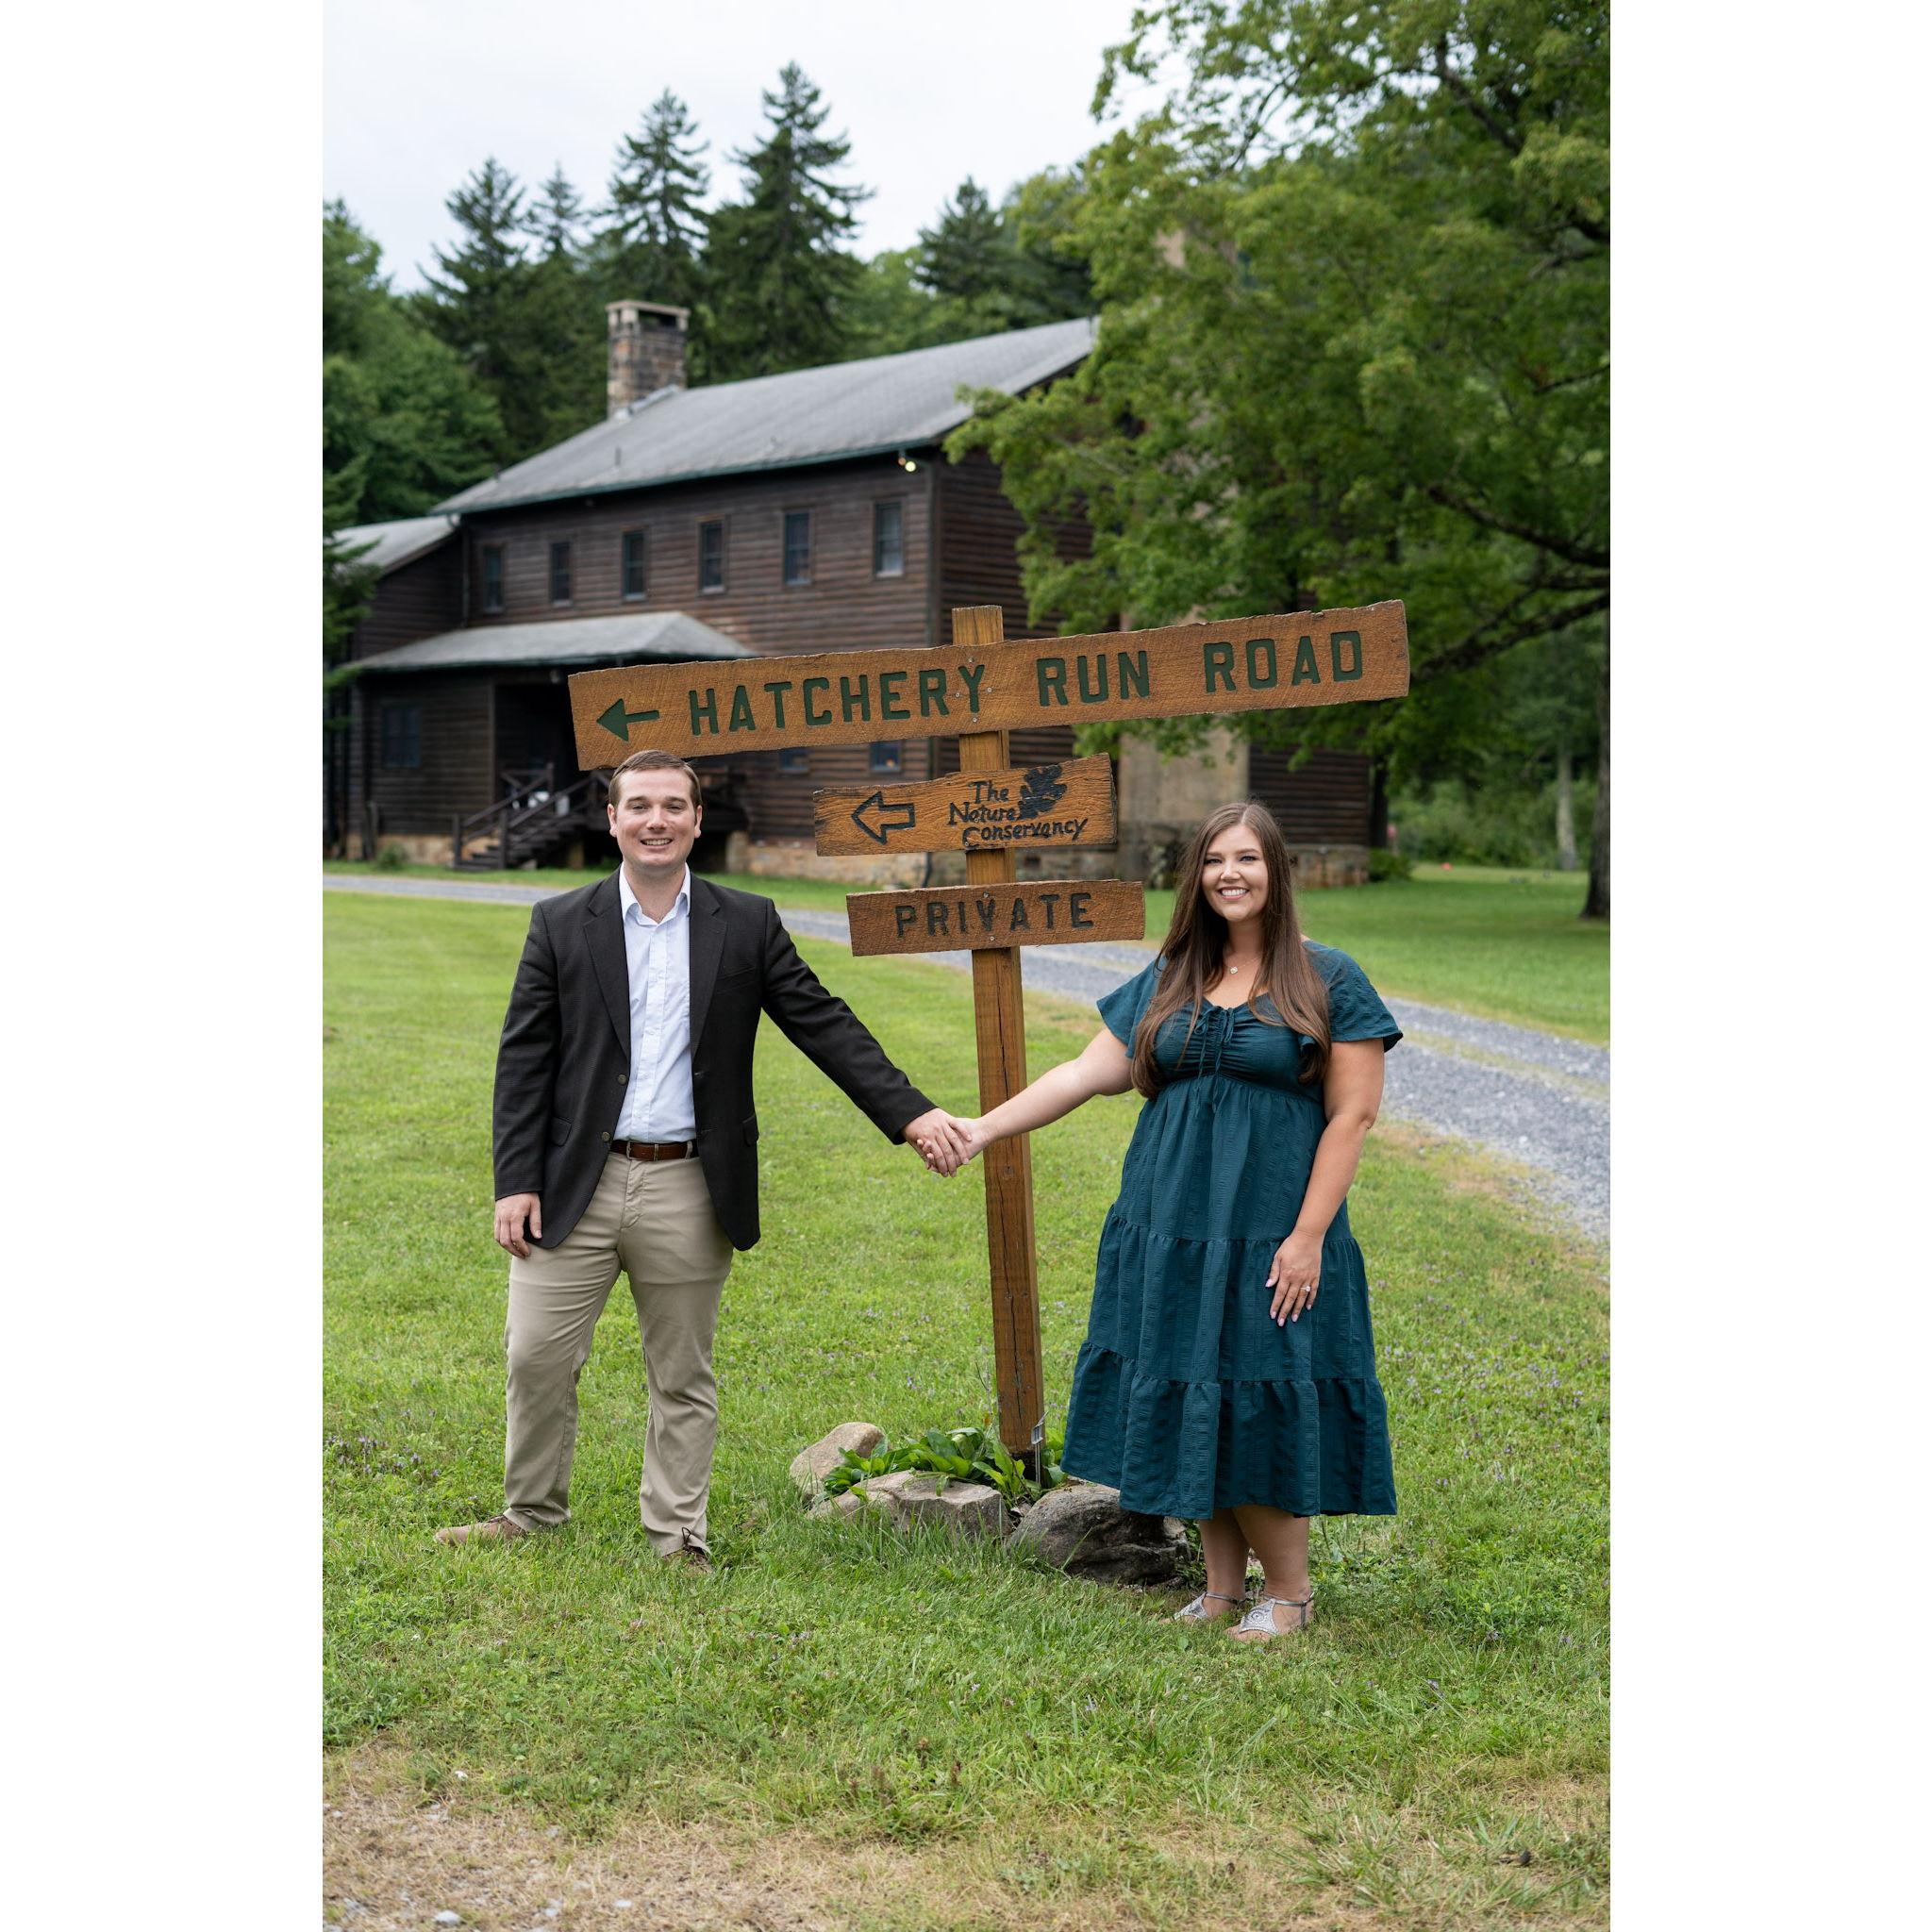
(1536, 1099)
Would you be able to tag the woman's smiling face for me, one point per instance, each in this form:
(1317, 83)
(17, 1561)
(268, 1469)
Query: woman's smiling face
(1234, 876)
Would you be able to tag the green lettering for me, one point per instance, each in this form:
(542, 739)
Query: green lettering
(1355, 669)
(812, 717)
(1261, 654)
(1090, 698)
(889, 695)
(742, 719)
(932, 692)
(1133, 671)
(860, 699)
(708, 710)
(970, 676)
(778, 689)
(1217, 660)
(1304, 672)
(1050, 674)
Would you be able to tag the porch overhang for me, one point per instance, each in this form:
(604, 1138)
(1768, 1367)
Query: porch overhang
(630, 638)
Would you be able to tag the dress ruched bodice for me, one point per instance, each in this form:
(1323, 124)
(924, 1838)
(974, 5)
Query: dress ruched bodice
(1187, 1395)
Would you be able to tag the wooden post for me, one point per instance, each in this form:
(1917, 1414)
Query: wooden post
(999, 1025)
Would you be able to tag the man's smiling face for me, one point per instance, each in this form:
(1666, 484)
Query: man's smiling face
(654, 823)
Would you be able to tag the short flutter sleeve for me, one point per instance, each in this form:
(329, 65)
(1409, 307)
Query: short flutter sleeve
(1122, 1008)
(1355, 1007)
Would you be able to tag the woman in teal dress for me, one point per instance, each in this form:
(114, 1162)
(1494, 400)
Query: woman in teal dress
(1228, 1372)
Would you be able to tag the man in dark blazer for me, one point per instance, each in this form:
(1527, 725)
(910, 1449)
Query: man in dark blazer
(626, 1140)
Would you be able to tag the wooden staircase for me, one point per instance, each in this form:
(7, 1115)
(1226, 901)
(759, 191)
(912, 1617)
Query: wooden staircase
(531, 824)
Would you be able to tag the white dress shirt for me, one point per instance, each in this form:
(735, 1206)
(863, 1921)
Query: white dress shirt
(657, 1103)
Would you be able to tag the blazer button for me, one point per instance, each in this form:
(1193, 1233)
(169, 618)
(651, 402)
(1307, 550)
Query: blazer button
(607, 1136)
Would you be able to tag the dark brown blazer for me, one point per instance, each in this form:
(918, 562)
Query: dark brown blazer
(564, 1059)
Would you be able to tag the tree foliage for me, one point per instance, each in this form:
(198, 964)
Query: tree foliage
(652, 243)
(780, 272)
(1353, 282)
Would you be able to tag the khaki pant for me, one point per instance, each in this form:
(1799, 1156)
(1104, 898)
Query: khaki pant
(654, 1221)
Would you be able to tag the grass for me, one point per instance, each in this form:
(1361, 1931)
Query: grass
(1507, 946)
(1019, 1749)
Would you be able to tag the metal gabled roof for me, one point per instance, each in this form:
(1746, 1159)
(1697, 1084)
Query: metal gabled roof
(632, 638)
(399, 542)
(775, 422)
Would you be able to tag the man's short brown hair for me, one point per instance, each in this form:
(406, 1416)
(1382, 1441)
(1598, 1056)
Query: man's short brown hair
(654, 761)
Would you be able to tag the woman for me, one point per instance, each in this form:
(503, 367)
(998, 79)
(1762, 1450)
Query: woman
(1228, 1372)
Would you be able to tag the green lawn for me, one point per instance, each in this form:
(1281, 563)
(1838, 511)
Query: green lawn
(1507, 946)
(1032, 1750)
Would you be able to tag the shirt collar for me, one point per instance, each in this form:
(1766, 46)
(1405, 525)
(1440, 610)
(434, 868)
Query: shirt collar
(627, 900)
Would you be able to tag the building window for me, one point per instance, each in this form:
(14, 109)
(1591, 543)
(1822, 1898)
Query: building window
(798, 546)
(711, 557)
(886, 761)
(888, 539)
(402, 738)
(794, 759)
(559, 572)
(492, 579)
(633, 563)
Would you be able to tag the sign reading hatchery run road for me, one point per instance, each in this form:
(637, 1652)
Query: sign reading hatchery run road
(853, 697)
(1033, 912)
(1067, 804)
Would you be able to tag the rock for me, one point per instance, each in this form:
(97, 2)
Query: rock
(449, 1918)
(912, 1495)
(841, 1509)
(1081, 1528)
(810, 1467)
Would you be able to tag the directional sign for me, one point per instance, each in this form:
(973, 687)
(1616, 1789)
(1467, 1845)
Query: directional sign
(1066, 804)
(1037, 913)
(853, 697)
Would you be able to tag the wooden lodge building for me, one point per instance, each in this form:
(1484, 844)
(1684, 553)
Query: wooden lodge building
(810, 511)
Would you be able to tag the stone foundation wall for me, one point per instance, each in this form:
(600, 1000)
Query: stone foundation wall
(1147, 852)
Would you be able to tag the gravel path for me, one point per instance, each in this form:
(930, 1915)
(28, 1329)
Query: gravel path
(1534, 1098)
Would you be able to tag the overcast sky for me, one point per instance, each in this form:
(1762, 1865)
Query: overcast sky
(418, 92)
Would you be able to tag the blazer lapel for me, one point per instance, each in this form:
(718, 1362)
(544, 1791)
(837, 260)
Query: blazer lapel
(707, 949)
(603, 934)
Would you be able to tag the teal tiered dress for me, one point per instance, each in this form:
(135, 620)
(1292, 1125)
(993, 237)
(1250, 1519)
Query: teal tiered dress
(1187, 1396)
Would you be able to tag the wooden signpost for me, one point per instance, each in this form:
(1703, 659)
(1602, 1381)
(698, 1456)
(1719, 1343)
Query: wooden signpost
(980, 687)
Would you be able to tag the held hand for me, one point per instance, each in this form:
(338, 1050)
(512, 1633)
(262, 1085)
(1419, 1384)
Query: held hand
(511, 1212)
(968, 1138)
(933, 1133)
(1295, 1277)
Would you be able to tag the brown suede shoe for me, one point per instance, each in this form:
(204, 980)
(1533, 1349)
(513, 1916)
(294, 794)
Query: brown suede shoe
(493, 1530)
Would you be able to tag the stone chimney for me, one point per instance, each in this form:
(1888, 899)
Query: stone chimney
(646, 351)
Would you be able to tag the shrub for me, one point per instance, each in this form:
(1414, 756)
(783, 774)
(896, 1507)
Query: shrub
(1390, 865)
(391, 856)
(1479, 825)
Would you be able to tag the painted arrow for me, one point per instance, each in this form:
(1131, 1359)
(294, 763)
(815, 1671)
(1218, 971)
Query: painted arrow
(617, 721)
(881, 823)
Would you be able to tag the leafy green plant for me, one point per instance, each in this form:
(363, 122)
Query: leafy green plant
(391, 856)
(1390, 865)
(968, 1454)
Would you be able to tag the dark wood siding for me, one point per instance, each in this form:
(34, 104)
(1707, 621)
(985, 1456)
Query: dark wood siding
(844, 607)
(418, 600)
(455, 773)
(1325, 802)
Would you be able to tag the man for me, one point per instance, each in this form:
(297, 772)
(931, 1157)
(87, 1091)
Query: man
(626, 1139)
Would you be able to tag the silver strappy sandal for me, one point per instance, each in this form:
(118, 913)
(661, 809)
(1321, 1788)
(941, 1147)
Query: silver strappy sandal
(1198, 1612)
(1259, 1620)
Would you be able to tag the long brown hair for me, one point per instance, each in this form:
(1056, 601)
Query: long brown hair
(1197, 939)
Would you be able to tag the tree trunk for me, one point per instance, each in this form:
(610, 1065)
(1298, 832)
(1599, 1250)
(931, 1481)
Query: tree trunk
(1566, 810)
(1596, 903)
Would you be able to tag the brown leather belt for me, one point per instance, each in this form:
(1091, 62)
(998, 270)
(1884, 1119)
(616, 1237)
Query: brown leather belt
(653, 1150)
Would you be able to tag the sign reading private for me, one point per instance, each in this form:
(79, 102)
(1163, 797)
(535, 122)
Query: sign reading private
(855, 697)
(1034, 912)
(1065, 804)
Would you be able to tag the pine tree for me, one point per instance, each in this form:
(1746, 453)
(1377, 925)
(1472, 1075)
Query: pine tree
(562, 316)
(651, 246)
(965, 257)
(779, 277)
(556, 216)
